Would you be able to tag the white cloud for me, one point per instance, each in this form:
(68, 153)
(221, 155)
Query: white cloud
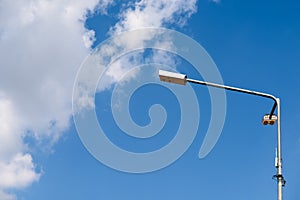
(149, 13)
(141, 14)
(18, 172)
(6, 196)
(10, 130)
(42, 44)
(89, 38)
(118, 69)
(16, 168)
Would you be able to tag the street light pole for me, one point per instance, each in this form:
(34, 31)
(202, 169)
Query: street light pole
(182, 79)
(278, 176)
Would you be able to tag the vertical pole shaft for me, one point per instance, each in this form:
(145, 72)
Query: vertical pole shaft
(279, 160)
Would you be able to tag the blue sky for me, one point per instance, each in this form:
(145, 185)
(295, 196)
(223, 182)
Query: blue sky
(254, 44)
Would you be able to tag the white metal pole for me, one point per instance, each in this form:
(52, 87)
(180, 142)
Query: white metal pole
(279, 160)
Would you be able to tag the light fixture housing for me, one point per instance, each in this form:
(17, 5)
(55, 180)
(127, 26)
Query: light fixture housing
(172, 77)
(266, 119)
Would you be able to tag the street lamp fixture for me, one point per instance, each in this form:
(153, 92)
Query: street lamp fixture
(172, 77)
(270, 119)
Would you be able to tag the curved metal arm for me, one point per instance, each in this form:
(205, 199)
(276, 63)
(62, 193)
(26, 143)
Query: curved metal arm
(238, 90)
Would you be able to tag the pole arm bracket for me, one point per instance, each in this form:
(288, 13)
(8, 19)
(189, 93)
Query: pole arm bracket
(269, 96)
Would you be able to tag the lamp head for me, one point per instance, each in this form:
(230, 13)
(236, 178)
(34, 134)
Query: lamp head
(269, 120)
(172, 77)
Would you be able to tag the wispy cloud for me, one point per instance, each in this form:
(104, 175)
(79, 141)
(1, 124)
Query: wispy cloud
(142, 14)
(148, 13)
(216, 1)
